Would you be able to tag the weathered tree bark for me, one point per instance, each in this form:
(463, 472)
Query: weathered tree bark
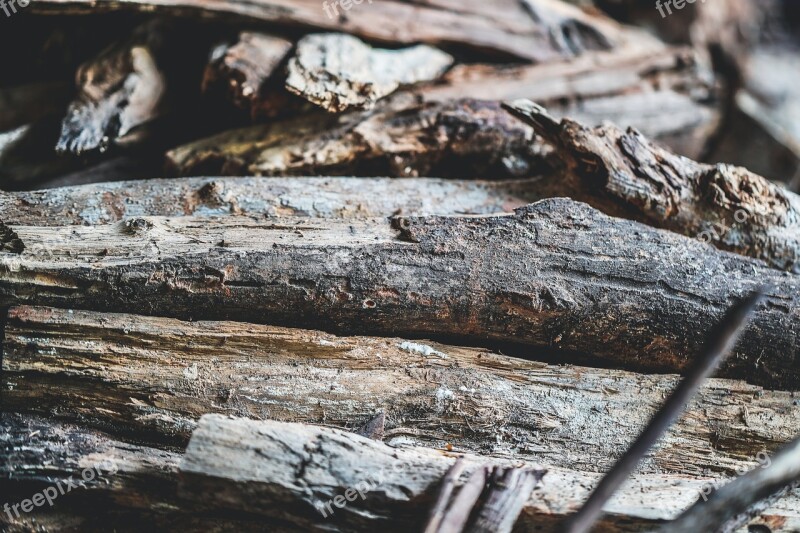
(154, 377)
(460, 139)
(296, 473)
(624, 174)
(144, 488)
(241, 69)
(318, 197)
(537, 30)
(338, 72)
(663, 91)
(556, 274)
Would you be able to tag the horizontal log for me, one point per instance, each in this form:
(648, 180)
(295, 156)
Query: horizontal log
(556, 274)
(139, 486)
(318, 197)
(400, 137)
(155, 377)
(538, 30)
(296, 473)
(667, 93)
(625, 174)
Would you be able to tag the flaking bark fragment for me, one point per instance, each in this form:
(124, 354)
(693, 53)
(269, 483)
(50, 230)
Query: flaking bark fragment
(624, 174)
(339, 72)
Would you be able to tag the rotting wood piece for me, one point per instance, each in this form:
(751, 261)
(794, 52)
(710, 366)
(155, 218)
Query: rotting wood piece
(337, 71)
(294, 473)
(624, 174)
(556, 274)
(155, 377)
(240, 70)
(318, 197)
(41, 453)
(665, 92)
(459, 139)
(539, 30)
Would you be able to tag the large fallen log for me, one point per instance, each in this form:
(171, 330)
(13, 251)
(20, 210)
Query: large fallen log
(154, 377)
(538, 30)
(321, 197)
(556, 274)
(624, 174)
(311, 477)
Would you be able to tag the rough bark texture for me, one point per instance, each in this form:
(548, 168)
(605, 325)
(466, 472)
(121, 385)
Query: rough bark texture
(142, 492)
(337, 71)
(292, 473)
(241, 69)
(556, 274)
(624, 174)
(155, 377)
(538, 30)
(462, 139)
(317, 197)
(667, 93)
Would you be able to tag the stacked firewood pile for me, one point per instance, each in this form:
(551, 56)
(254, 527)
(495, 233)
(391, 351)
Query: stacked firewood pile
(388, 265)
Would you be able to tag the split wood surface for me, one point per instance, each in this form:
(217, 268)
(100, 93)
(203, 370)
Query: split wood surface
(317, 197)
(556, 275)
(154, 377)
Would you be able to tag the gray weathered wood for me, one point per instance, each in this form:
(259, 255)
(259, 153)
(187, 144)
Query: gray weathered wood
(296, 473)
(154, 377)
(318, 197)
(556, 274)
(624, 174)
(337, 71)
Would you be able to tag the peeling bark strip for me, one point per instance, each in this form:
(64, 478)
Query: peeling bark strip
(461, 139)
(290, 472)
(338, 71)
(555, 274)
(624, 174)
(155, 377)
(540, 30)
(121, 89)
(317, 197)
(243, 68)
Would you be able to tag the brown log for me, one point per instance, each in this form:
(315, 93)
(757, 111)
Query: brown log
(338, 72)
(624, 174)
(556, 274)
(296, 473)
(154, 377)
(666, 92)
(537, 30)
(241, 70)
(337, 197)
(461, 139)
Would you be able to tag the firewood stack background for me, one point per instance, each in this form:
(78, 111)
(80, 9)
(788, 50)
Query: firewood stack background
(396, 266)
